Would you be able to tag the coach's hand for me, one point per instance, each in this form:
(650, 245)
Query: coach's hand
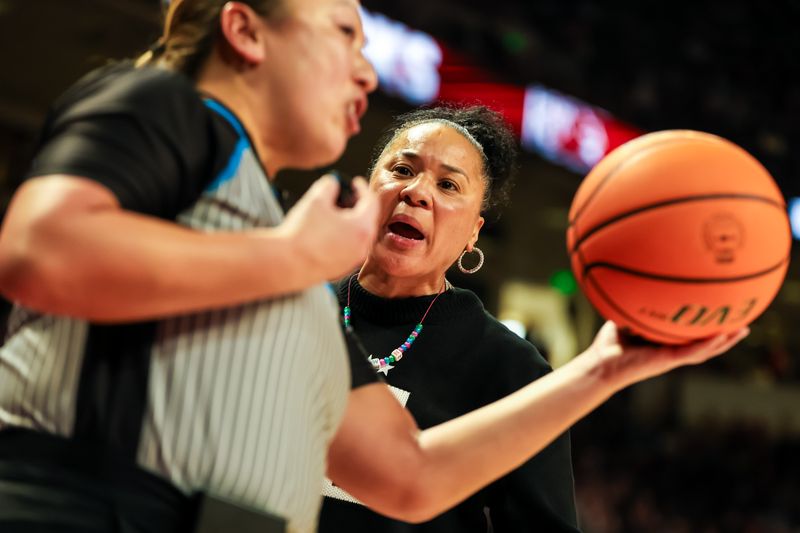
(624, 362)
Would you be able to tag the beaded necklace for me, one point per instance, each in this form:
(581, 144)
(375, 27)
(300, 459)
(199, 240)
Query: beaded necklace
(385, 364)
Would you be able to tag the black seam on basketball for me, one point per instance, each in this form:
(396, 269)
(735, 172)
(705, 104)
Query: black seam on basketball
(611, 173)
(604, 296)
(631, 319)
(677, 279)
(673, 201)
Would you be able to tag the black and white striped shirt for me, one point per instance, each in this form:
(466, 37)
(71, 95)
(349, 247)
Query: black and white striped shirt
(240, 402)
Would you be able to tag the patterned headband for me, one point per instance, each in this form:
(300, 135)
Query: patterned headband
(458, 127)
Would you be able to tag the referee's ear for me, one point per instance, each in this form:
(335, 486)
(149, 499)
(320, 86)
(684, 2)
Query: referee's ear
(243, 31)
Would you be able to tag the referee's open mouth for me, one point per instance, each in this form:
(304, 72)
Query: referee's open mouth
(355, 110)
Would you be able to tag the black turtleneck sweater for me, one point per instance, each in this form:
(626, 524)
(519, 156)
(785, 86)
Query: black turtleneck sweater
(463, 359)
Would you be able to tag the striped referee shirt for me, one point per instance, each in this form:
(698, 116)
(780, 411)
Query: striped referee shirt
(239, 402)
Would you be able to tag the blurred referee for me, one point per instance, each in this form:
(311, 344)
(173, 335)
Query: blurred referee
(172, 334)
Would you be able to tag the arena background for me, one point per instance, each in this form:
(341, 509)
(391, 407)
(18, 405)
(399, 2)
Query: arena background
(709, 449)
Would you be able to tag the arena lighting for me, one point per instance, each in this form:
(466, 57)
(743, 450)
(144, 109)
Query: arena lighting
(794, 216)
(417, 68)
(407, 61)
(564, 282)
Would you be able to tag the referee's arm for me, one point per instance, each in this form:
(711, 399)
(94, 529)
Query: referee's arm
(67, 247)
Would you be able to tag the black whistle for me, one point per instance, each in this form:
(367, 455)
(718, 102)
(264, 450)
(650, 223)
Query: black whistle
(347, 195)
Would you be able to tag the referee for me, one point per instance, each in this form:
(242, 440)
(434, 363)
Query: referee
(171, 334)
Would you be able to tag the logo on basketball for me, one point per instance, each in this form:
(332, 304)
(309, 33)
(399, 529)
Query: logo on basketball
(703, 315)
(700, 315)
(723, 235)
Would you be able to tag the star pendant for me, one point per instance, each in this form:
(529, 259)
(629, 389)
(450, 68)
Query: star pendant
(385, 369)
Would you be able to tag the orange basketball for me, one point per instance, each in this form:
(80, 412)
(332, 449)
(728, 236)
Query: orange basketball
(679, 235)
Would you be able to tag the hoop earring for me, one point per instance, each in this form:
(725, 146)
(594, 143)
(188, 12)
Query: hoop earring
(476, 267)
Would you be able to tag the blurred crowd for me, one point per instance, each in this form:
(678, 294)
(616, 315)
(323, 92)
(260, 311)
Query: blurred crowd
(768, 355)
(659, 477)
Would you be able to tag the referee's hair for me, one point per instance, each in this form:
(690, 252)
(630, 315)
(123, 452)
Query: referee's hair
(191, 28)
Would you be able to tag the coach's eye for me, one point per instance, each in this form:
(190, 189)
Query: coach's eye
(448, 185)
(403, 170)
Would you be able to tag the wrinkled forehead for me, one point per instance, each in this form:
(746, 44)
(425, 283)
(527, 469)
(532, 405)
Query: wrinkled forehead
(440, 140)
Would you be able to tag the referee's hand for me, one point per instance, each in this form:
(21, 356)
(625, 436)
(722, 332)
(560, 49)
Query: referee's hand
(329, 239)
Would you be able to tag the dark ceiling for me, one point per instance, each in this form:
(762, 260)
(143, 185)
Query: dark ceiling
(724, 67)
(47, 44)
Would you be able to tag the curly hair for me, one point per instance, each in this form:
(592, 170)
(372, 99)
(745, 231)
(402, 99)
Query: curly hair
(486, 127)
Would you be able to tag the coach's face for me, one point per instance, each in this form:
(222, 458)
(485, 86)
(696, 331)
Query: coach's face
(430, 184)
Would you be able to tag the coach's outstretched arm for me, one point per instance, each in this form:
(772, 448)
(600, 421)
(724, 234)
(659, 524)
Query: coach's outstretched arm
(380, 456)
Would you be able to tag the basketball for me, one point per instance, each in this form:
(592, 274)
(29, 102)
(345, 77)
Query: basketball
(679, 235)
